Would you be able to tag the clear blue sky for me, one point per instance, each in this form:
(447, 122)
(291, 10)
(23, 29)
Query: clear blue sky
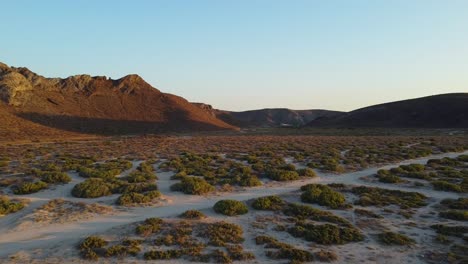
(248, 54)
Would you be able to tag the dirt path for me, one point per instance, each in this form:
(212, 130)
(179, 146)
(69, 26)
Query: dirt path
(12, 241)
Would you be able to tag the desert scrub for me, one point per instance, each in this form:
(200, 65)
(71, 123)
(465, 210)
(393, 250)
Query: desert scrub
(446, 186)
(230, 207)
(220, 233)
(163, 254)
(29, 187)
(133, 198)
(193, 185)
(149, 226)
(284, 251)
(273, 203)
(92, 188)
(143, 173)
(282, 175)
(386, 176)
(458, 215)
(326, 234)
(90, 245)
(306, 172)
(460, 203)
(193, 214)
(8, 206)
(373, 196)
(133, 246)
(52, 175)
(322, 195)
(325, 256)
(236, 252)
(457, 231)
(390, 238)
(303, 212)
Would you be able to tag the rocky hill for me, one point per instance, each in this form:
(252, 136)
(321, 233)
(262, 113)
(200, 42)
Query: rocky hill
(270, 117)
(437, 111)
(98, 104)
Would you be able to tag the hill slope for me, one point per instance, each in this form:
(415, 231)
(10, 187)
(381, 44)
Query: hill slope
(438, 111)
(270, 117)
(100, 105)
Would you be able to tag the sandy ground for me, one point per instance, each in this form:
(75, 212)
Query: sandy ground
(58, 241)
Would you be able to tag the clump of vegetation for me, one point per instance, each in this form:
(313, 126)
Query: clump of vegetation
(193, 214)
(386, 176)
(8, 206)
(149, 226)
(373, 196)
(322, 195)
(29, 187)
(144, 173)
(326, 234)
(273, 203)
(193, 185)
(163, 254)
(92, 188)
(284, 251)
(282, 175)
(325, 256)
(446, 186)
(455, 215)
(390, 238)
(230, 207)
(460, 203)
(307, 172)
(220, 233)
(303, 212)
(90, 245)
(457, 231)
(133, 198)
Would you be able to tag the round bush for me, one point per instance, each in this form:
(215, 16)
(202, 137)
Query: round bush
(91, 188)
(230, 207)
(268, 203)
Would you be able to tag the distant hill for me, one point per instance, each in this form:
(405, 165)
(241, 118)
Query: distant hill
(98, 105)
(437, 111)
(272, 117)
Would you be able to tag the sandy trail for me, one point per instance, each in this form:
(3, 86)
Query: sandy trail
(54, 236)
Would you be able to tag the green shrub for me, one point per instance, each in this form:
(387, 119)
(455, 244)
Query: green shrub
(7, 206)
(116, 251)
(230, 207)
(30, 187)
(446, 186)
(285, 251)
(390, 238)
(92, 242)
(457, 231)
(163, 254)
(149, 226)
(460, 203)
(220, 233)
(303, 212)
(306, 172)
(193, 214)
(273, 203)
(55, 177)
(326, 234)
(193, 185)
(282, 175)
(455, 215)
(91, 188)
(133, 198)
(322, 195)
(373, 196)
